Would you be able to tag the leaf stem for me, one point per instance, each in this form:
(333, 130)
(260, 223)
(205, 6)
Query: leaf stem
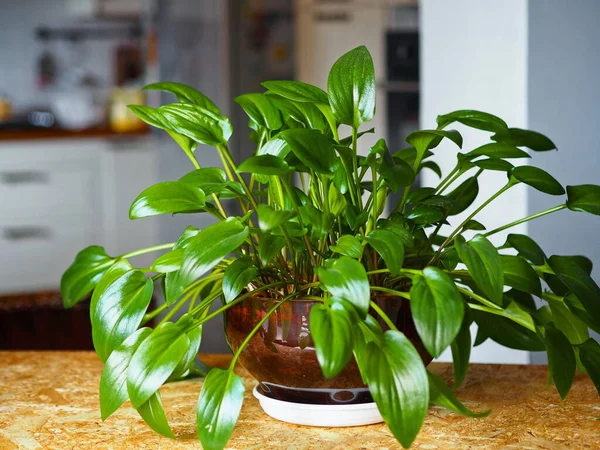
(479, 298)
(526, 219)
(405, 295)
(383, 315)
(143, 251)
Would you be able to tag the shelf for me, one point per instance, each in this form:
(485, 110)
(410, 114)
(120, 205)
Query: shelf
(61, 133)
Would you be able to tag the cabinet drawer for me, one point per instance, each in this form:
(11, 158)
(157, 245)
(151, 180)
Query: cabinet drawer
(37, 192)
(34, 254)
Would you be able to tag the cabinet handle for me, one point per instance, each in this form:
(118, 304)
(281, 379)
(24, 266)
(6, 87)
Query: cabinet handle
(25, 176)
(332, 16)
(26, 233)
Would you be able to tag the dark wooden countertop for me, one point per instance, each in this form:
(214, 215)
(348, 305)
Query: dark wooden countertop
(61, 133)
(49, 400)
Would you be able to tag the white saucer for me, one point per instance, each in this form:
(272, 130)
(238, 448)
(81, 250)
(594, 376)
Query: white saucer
(319, 415)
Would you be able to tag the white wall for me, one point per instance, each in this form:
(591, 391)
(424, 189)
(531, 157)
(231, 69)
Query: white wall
(474, 56)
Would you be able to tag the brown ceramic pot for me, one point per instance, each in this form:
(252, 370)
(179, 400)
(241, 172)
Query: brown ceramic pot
(281, 356)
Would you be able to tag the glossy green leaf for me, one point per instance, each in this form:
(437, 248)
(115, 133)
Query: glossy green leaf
(268, 246)
(386, 243)
(398, 383)
(396, 172)
(219, 407)
(197, 123)
(589, 354)
(269, 218)
(346, 278)
(186, 237)
(153, 413)
(423, 140)
(426, 214)
(484, 263)
(584, 198)
(83, 274)
(527, 248)
(331, 326)
(461, 351)
(431, 166)
(113, 383)
(184, 93)
(570, 325)
(168, 197)
(494, 164)
(260, 109)
(351, 87)
(212, 181)
(576, 307)
(206, 250)
(265, 165)
(437, 309)
(497, 150)
(538, 179)
(473, 225)
(297, 91)
(118, 269)
(119, 311)
(464, 195)
(520, 275)
(320, 222)
(168, 262)
(336, 201)
(525, 138)
(579, 282)
(441, 395)
(154, 361)
(151, 116)
(561, 360)
(473, 119)
(237, 277)
(348, 245)
(312, 148)
(187, 363)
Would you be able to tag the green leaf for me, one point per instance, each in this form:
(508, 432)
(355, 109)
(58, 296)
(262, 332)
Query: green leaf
(441, 395)
(168, 262)
(520, 275)
(268, 246)
(336, 201)
(398, 383)
(473, 225)
(119, 311)
(538, 178)
(525, 138)
(431, 166)
(212, 181)
(437, 309)
(561, 360)
(269, 218)
(151, 116)
(497, 150)
(426, 214)
(320, 222)
(484, 263)
(260, 109)
(154, 361)
(397, 173)
(464, 195)
(153, 413)
(118, 269)
(206, 250)
(461, 352)
(584, 198)
(297, 91)
(313, 149)
(423, 140)
(348, 245)
(579, 282)
(275, 147)
(474, 119)
(219, 407)
(527, 248)
(265, 165)
(351, 87)
(167, 197)
(197, 123)
(570, 325)
(346, 278)
(331, 326)
(237, 276)
(494, 164)
(187, 363)
(589, 354)
(83, 274)
(184, 93)
(186, 237)
(113, 383)
(576, 307)
(387, 244)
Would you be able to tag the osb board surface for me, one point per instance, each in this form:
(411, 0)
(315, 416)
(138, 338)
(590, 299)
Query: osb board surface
(49, 400)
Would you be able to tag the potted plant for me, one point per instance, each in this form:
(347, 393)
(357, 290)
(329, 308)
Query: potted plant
(329, 281)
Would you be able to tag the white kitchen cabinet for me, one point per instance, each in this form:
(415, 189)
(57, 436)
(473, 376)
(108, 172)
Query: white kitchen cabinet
(85, 9)
(59, 196)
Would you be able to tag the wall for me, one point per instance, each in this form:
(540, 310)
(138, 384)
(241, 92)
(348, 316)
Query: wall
(563, 98)
(474, 55)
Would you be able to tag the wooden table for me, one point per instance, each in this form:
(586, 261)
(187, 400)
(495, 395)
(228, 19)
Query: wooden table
(49, 400)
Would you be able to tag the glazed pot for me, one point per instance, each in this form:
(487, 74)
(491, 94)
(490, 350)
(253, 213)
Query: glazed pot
(281, 356)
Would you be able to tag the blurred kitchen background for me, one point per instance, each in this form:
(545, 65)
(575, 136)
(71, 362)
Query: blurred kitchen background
(72, 158)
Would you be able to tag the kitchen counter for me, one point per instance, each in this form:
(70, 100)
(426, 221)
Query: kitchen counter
(50, 401)
(61, 133)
